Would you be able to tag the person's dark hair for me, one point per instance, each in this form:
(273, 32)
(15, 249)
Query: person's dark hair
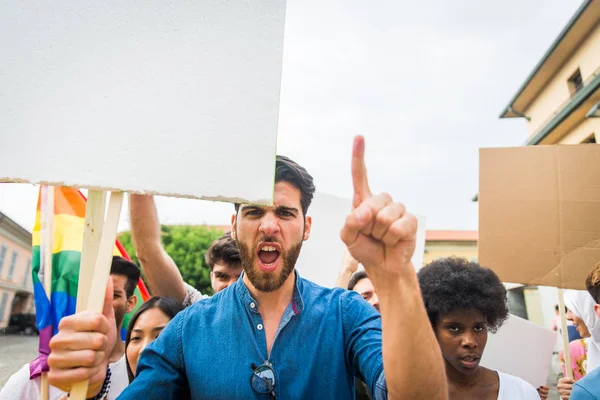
(289, 171)
(356, 277)
(121, 266)
(451, 284)
(223, 250)
(169, 306)
(592, 283)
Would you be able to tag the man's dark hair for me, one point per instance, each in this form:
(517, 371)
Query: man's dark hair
(289, 171)
(592, 283)
(356, 277)
(223, 250)
(121, 266)
(451, 284)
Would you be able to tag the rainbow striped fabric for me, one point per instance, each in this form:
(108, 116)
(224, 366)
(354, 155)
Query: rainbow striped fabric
(67, 242)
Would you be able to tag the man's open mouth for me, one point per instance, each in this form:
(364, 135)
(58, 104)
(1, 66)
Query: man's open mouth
(268, 254)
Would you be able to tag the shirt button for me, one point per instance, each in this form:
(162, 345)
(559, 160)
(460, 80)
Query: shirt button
(259, 327)
(252, 305)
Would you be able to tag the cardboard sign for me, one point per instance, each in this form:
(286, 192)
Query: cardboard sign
(174, 98)
(539, 213)
(321, 256)
(521, 348)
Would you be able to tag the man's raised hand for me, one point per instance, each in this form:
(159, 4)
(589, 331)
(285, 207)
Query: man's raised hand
(379, 233)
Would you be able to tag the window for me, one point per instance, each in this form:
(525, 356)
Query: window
(3, 305)
(13, 262)
(575, 82)
(2, 255)
(27, 273)
(590, 140)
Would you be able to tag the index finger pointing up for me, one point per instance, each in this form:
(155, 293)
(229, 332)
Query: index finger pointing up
(359, 172)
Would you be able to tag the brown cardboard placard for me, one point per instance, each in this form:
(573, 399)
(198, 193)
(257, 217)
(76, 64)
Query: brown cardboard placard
(539, 213)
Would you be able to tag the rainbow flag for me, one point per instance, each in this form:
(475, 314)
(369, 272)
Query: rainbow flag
(67, 242)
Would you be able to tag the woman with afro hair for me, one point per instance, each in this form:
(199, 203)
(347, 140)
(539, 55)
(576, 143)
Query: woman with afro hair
(464, 302)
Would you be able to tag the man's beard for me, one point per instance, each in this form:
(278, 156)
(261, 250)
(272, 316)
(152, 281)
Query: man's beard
(268, 281)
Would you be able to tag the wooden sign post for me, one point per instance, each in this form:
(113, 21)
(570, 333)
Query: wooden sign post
(565, 333)
(47, 243)
(103, 244)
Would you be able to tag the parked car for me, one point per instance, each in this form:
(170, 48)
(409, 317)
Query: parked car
(23, 323)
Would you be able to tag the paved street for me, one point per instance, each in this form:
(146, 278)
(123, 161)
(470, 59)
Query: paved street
(15, 351)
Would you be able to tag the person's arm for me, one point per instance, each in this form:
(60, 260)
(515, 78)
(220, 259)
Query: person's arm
(381, 235)
(349, 267)
(362, 335)
(161, 273)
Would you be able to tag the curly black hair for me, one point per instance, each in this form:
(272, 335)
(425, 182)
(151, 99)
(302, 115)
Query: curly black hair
(450, 284)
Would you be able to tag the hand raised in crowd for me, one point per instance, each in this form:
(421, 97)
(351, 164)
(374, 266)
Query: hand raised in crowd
(564, 386)
(379, 233)
(82, 347)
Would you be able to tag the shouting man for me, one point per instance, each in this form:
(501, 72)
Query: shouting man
(273, 334)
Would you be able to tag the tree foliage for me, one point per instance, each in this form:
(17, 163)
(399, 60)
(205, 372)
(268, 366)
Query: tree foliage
(187, 246)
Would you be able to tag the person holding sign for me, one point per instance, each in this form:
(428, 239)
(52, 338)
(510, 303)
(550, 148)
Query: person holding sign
(464, 302)
(121, 300)
(274, 334)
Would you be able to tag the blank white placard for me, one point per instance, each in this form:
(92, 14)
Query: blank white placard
(179, 98)
(321, 257)
(521, 348)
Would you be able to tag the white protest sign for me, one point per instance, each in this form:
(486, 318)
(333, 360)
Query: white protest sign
(321, 256)
(169, 97)
(521, 348)
(417, 258)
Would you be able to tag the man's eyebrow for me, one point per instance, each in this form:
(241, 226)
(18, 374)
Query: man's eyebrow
(285, 208)
(252, 207)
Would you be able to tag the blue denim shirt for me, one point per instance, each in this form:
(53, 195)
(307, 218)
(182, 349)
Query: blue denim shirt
(326, 337)
(587, 388)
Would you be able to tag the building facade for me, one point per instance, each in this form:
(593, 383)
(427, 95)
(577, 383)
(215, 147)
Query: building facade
(560, 99)
(439, 244)
(16, 289)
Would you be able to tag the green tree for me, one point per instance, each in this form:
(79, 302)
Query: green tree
(187, 246)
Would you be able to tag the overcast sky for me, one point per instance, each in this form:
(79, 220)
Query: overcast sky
(423, 81)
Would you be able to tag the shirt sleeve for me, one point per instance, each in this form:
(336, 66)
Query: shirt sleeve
(19, 386)
(192, 295)
(362, 343)
(161, 367)
(581, 393)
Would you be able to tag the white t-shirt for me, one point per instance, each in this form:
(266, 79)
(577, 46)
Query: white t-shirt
(20, 387)
(192, 295)
(515, 388)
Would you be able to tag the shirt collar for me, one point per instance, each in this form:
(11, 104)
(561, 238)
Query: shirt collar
(247, 300)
